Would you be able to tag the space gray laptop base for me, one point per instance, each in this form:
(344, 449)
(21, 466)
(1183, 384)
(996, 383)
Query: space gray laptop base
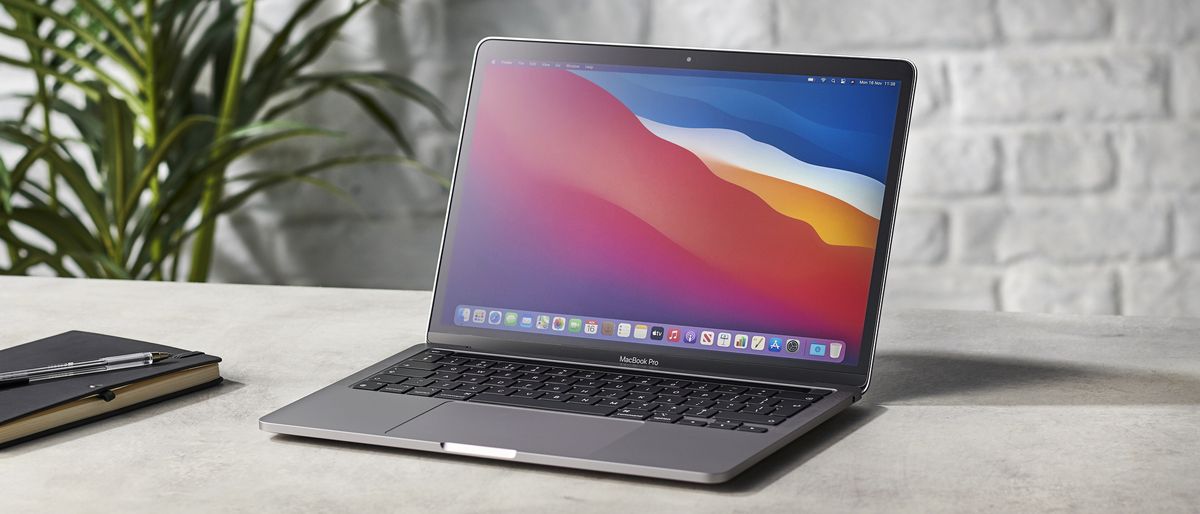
(657, 450)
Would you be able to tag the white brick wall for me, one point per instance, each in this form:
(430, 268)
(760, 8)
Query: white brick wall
(1053, 164)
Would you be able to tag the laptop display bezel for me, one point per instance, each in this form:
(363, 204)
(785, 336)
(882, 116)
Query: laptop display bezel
(686, 360)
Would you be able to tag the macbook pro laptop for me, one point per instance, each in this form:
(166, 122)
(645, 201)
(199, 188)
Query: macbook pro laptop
(665, 262)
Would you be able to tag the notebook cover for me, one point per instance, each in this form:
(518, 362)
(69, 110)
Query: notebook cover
(16, 402)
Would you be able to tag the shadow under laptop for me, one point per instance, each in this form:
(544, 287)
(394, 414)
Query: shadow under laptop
(937, 378)
(758, 477)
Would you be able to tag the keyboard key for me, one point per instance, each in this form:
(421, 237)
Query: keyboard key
(534, 369)
(697, 412)
(596, 410)
(590, 383)
(427, 366)
(675, 384)
(646, 389)
(644, 380)
(731, 389)
(561, 380)
(641, 397)
(471, 388)
(473, 379)
(608, 393)
(479, 372)
(631, 414)
(396, 389)
(503, 391)
(788, 403)
(534, 377)
(706, 395)
(729, 406)
(787, 412)
(444, 384)
(502, 382)
(616, 404)
(557, 397)
(478, 363)
(510, 375)
(701, 386)
(559, 372)
(757, 391)
(795, 394)
(423, 391)
(554, 388)
(454, 395)
(588, 375)
(698, 402)
(428, 357)
(405, 372)
(453, 361)
(585, 391)
(743, 398)
(527, 394)
(691, 422)
(757, 419)
(724, 425)
(666, 398)
(388, 379)
(752, 399)
(584, 400)
(674, 391)
(748, 428)
(619, 386)
(646, 406)
(758, 409)
(369, 385)
(527, 384)
(671, 409)
(507, 366)
(659, 417)
(419, 382)
(611, 377)
(446, 376)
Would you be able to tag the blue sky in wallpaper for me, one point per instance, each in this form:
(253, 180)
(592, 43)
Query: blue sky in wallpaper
(847, 127)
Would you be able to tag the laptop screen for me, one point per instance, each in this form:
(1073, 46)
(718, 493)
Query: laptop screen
(716, 211)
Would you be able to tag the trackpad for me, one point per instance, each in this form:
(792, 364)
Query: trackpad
(523, 430)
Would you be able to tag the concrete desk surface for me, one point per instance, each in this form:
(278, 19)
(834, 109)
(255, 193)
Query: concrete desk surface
(968, 411)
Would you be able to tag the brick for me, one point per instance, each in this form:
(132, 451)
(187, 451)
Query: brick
(1118, 86)
(1063, 232)
(746, 24)
(1162, 289)
(1186, 88)
(1161, 158)
(885, 23)
(1064, 162)
(938, 163)
(931, 99)
(1187, 226)
(618, 21)
(1038, 20)
(919, 236)
(1059, 290)
(940, 288)
(1158, 21)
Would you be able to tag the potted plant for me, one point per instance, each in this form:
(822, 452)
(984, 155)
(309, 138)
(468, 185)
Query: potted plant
(125, 150)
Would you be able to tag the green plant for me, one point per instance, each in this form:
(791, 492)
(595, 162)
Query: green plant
(126, 151)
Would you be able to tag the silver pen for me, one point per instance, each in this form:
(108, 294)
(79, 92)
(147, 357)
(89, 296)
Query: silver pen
(70, 369)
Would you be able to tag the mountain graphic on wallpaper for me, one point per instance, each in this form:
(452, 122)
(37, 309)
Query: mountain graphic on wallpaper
(842, 206)
(638, 222)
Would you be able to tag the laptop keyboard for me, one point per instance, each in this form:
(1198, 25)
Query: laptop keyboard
(597, 392)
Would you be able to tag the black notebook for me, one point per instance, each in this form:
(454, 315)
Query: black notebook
(42, 407)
